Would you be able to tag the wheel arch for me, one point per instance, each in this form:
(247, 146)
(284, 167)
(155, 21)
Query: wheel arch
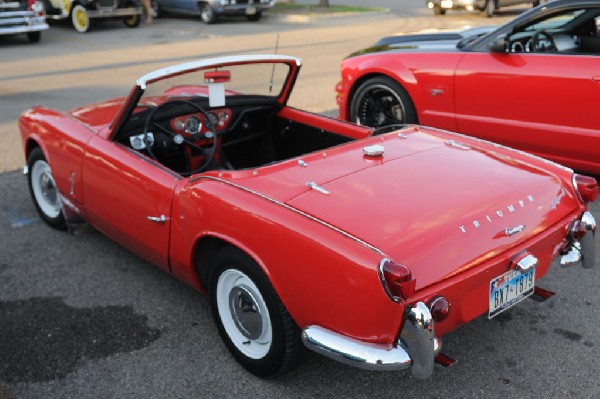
(204, 255)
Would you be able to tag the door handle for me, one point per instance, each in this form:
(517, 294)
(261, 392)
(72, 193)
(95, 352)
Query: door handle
(157, 219)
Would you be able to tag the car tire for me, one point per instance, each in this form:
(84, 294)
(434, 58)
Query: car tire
(254, 17)
(490, 8)
(155, 8)
(34, 37)
(132, 21)
(380, 102)
(252, 321)
(42, 188)
(207, 14)
(438, 10)
(80, 19)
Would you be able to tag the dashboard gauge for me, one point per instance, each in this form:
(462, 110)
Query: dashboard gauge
(223, 117)
(192, 125)
(179, 125)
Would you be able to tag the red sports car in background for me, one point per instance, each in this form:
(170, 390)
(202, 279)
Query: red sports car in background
(362, 245)
(532, 84)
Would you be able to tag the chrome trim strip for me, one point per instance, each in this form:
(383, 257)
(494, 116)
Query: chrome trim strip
(291, 208)
(194, 65)
(383, 282)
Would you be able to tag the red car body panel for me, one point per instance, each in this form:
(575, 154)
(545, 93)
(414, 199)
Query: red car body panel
(319, 224)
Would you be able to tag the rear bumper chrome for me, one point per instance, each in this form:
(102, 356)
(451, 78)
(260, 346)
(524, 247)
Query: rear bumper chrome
(416, 349)
(584, 250)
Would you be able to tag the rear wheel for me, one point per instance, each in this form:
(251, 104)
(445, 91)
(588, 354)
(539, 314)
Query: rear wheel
(44, 193)
(252, 321)
(80, 19)
(207, 14)
(380, 102)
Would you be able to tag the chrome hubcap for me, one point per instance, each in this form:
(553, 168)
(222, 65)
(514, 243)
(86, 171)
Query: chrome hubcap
(44, 189)
(244, 314)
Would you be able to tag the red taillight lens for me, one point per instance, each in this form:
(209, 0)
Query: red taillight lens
(577, 230)
(439, 308)
(397, 279)
(586, 187)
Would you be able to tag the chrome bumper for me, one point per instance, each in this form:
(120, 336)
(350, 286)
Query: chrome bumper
(584, 250)
(416, 349)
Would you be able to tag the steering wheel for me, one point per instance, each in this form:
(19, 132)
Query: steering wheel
(542, 42)
(178, 139)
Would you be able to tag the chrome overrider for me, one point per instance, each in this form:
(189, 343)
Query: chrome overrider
(583, 250)
(416, 348)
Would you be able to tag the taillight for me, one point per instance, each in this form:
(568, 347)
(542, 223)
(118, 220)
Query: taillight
(577, 230)
(396, 279)
(439, 308)
(586, 188)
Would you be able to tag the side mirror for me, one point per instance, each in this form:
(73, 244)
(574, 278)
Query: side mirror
(499, 45)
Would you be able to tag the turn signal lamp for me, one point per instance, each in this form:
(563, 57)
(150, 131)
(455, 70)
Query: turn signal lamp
(396, 279)
(439, 308)
(586, 188)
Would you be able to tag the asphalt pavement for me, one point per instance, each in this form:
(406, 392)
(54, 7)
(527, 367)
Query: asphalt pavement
(81, 317)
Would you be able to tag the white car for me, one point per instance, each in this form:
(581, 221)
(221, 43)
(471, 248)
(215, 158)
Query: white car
(489, 6)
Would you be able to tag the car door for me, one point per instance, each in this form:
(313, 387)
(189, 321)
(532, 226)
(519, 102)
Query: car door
(539, 102)
(128, 197)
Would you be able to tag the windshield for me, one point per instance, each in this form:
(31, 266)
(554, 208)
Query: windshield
(255, 79)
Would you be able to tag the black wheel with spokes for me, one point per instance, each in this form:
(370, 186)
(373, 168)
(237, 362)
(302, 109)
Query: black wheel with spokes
(380, 102)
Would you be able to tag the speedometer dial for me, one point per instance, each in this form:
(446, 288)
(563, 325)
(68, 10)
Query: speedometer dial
(192, 125)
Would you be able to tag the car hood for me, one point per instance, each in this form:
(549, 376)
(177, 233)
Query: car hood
(430, 203)
(432, 40)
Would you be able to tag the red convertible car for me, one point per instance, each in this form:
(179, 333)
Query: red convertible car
(364, 245)
(531, 84)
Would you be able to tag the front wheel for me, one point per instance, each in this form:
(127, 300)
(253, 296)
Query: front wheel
(254, 17)
(80, 19)
(34, 37)
(207, 14)
(380, 102)
(252, 321)
(490, 8)
(132, 21)
(44, 193)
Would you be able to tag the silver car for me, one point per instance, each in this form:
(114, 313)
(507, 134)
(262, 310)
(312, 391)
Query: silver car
(489, 6)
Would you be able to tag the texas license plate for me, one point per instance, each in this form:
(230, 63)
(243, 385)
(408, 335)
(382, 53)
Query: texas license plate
(510, 288)
(250, 10)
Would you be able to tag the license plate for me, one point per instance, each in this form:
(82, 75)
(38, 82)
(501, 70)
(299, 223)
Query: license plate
(250, 10)
(510, 288)
(446, 4)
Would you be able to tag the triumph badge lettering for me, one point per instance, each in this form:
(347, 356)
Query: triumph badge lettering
(498, 214)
